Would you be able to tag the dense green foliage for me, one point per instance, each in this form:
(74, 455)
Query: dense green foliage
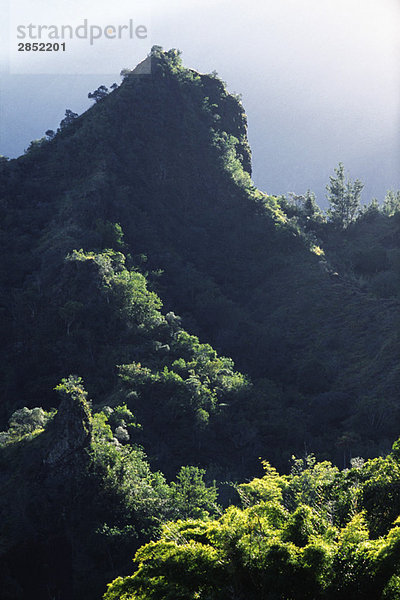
(159, 170)
(309, 535)
(77, 499)
(140, 210)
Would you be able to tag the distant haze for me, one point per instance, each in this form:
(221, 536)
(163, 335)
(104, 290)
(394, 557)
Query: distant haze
(320, 82)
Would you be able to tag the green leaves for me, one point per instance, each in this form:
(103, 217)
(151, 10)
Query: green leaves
(344, 198)
(25, 423)
(190, 496)
(265, 550)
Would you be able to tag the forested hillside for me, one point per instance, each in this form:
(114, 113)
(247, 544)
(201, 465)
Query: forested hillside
(165, 324)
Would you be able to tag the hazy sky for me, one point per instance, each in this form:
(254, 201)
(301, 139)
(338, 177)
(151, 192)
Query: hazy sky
(320, 79)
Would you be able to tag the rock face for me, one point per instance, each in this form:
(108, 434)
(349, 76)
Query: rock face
(143, 68)
(71, 430)
(41, 514)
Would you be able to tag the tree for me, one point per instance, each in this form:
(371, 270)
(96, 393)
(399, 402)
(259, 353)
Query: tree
(50, 134)
(191, 498)
(125, 72)
(310, 206)
(344, 198)
(285, 542)
(35, 145)
(156, 50)
(69, 118)
(98, 94)
(391, 204)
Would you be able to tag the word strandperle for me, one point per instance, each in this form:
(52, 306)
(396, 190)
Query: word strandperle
(83, 31)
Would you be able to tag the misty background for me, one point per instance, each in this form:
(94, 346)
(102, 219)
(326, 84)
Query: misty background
(319, 79)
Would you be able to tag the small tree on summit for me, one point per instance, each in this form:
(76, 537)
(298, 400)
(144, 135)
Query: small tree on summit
(344, 198)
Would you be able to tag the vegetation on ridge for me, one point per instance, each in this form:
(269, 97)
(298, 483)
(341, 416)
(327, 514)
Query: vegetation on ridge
(140, 210)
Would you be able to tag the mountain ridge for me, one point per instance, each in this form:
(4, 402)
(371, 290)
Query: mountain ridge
(160, 170)
(185, 324)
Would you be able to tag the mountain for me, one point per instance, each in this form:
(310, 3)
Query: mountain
(159, 170)
(210, 322)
